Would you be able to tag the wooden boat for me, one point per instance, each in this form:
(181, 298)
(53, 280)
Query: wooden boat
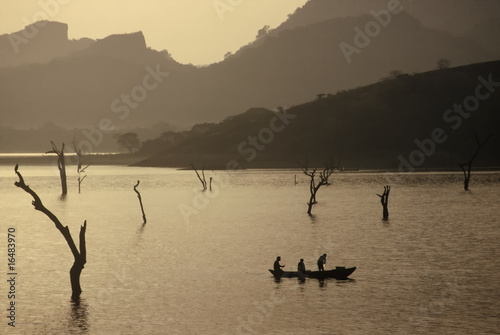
(339, 272)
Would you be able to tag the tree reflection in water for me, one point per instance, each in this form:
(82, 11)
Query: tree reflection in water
(79, 317)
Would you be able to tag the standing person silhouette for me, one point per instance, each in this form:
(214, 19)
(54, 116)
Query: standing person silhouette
(277, 266)
(321, 262)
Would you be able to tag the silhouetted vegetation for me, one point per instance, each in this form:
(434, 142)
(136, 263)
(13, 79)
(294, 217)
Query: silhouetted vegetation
(79, 255)
(79, 169)
(263, 31)
(171, 139)
(129, 141)
(61, 165)
(314, 185)
(443, 64)
(467, 167)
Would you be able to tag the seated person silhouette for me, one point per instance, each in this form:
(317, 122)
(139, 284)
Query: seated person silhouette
(301, 267)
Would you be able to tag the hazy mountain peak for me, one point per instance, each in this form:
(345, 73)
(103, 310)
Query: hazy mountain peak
(456, 17)
(131, 40)
(39, 42)
(126, 46)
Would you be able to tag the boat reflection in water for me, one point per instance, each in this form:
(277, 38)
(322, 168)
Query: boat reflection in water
(339, 272)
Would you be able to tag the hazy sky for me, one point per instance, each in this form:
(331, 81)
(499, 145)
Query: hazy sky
(193, 31)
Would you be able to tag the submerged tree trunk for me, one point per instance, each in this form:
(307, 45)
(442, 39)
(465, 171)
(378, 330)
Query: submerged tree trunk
(467, 167)
(61, 165)
(202, 180)
(79, 169)
(80, 256)
(78, 265)
(80, 178)
(140, 202)
(384, 200)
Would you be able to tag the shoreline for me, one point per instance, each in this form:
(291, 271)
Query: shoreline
(7, 159)
(51, 159)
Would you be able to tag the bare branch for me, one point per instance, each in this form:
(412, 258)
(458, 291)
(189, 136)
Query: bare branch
(140, 202)
(83, 170)
(79, 256)
(37, 203)
(467, 167)
(203, 181)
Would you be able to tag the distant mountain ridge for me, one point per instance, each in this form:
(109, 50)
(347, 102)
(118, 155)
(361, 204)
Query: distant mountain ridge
(281, 68)
(123, 46)
(435, 15)
(379, 126)
(39, 42)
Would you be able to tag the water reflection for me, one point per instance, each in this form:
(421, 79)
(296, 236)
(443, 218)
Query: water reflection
(183, 298)
(78, 317)
(141, 228)
(345, 281)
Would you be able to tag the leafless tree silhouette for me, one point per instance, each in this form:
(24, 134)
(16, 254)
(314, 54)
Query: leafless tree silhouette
(202, 180)
(79, 169)
(79, 255)
(466, 167)
(61, 165)
(314, 186)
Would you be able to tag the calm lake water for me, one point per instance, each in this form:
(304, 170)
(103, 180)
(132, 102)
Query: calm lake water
(433, 268)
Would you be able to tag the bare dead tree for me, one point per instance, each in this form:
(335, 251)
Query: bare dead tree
(202, 180)
(314, 186)
(80, 179)
(384, 200)
(140, 202)
(80, 256)
(79, 169)
(61, 165)
(466, 167)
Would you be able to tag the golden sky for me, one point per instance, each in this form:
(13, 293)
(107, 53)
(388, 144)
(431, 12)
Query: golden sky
(193, 31)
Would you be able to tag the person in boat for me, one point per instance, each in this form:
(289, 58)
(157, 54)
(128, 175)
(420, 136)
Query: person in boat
(321, 262)
(301, 267)
(277, 266)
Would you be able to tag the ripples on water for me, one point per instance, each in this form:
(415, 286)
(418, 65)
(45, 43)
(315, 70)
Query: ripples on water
(432, 268)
